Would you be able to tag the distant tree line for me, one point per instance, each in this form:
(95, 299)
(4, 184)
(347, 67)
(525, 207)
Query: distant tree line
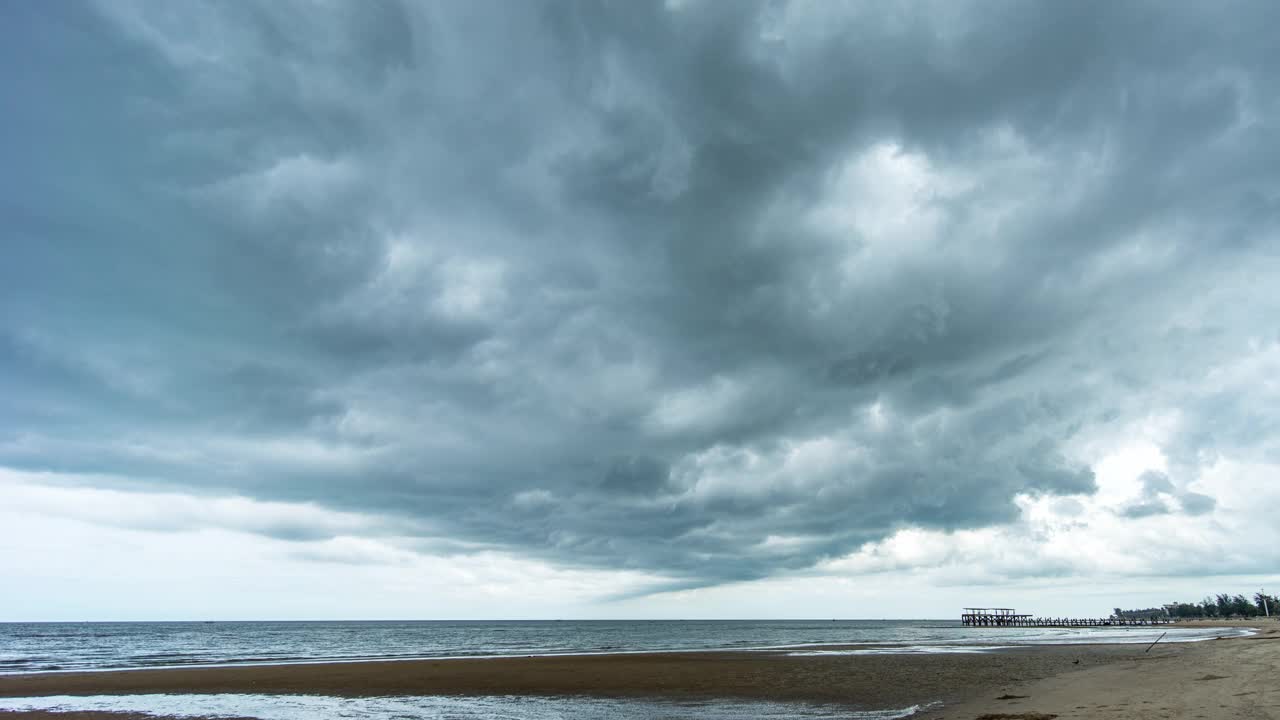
(1218, 606)
(1144, 614)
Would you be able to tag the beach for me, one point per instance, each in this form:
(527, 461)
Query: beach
(1219, 678)
(1235, 678)
(864, 680)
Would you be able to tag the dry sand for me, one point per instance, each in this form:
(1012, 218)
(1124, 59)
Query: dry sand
(1234, 678)
(1237, 679)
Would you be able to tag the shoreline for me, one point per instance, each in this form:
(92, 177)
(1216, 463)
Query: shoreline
(864, 682)
(749, 675)
(1009, 681)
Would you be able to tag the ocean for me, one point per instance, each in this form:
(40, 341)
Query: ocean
(65, 647)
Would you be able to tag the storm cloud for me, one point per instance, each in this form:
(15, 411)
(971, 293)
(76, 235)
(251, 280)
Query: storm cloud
(711, 291)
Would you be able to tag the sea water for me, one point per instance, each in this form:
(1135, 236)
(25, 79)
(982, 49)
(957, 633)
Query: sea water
(53, 647)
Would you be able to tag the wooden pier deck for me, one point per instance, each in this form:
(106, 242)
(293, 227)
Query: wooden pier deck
(1008, 617)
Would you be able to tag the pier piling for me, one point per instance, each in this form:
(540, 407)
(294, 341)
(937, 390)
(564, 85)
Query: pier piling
(1008, 617)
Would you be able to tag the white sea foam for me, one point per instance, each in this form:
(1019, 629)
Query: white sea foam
(903, 650)
(1119, 635)
(308, 707)
(1022, 637)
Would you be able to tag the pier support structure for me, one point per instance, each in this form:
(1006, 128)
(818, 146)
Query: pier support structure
(1008, 617)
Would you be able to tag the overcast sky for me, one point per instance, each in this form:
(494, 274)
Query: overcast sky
(636, 309)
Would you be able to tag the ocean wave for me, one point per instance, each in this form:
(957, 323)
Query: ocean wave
(32, 647)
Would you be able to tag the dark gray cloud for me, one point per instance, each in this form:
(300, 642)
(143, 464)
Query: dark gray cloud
(1154, 500)
(707, 290)
(1160, 496)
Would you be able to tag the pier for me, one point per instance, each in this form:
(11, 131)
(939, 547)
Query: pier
(1008, 617)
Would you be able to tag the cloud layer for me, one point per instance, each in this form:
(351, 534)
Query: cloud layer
(705, 291)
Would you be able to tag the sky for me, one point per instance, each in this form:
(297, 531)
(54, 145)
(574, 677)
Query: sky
(636, 309)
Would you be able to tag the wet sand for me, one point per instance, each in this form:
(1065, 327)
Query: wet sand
(866, 681)
(1068, 681)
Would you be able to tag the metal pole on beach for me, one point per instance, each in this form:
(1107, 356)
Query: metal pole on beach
(1157, 640)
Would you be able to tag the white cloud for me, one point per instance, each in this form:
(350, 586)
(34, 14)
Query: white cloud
(87, 553)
